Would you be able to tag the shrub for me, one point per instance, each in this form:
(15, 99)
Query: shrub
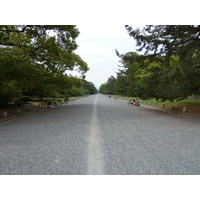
(25, 98)
(57, 95)
(62, 96)
(19, 103)
(8, 91)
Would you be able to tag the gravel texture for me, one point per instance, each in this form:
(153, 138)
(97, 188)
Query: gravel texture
(99, 135)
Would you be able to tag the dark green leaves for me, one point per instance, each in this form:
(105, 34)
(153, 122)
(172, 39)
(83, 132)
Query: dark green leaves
(34, 58)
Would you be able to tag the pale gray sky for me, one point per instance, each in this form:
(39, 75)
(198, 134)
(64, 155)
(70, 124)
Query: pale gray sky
(97, 44)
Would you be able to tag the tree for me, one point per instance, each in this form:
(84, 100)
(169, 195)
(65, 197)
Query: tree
(89, 87)
(165, 40)
(102, 88)
(109, 86)
(34, 56)
(176, 49)
(121, 84)
(146, 78)
(48, 46)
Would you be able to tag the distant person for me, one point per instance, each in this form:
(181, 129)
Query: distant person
(137, 103)
(66, 100)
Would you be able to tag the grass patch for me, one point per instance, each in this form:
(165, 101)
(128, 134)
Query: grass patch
(193, 106)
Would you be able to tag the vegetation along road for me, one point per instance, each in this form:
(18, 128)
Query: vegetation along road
(99, 135)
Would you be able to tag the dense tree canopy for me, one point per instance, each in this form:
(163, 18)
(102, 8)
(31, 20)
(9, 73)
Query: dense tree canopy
(89, 87)
(166, 66)
(34, 60)
(165, 40)
(49, 47)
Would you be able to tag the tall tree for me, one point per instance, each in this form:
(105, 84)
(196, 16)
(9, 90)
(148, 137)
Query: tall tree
(162, 44)
(109, 86)
(31, 53)
(165, 40)
(48, 46)
(89, 87)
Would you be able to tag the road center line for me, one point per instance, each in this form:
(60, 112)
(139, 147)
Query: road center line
(95, 157)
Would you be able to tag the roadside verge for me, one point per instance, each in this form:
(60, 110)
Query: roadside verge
(10, 118)
(193, 111)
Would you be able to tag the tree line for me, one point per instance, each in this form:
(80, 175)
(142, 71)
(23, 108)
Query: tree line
(34, 60)
(165, 66)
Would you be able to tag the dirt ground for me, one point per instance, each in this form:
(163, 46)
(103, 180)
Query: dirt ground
(14, 112)
(191, 109)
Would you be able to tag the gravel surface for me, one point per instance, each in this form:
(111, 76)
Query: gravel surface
(99, 135)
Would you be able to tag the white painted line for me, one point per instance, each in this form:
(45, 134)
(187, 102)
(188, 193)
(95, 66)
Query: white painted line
(95, 157)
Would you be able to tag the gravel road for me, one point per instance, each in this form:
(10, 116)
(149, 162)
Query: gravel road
(99, 135)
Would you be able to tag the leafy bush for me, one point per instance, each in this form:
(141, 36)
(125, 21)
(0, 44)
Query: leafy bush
(25, 98)
(19, 103)
(8, 91)
(75, 92)
(57, 95)
(62, 96)
(3, 101)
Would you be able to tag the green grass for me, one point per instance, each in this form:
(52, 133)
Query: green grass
(175, 103)
(167, 104)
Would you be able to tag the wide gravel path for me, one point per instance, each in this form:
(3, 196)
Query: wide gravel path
(99, 135)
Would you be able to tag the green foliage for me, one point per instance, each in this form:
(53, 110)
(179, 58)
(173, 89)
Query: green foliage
(48, 46)
(24, 98)
(177, 49)
(109, 86)
(19, 103)
(57, 95)
(82, 88)
(8, 91)
(34, 59)
(168, 69)
(89, 87)
(75, 92)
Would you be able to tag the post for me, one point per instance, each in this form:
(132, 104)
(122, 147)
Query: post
(185, 109)
(163, 105)
(172, 107)
(18, 111)
(5, 114)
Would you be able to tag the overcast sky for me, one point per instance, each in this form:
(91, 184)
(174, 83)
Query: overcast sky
(97, 45)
